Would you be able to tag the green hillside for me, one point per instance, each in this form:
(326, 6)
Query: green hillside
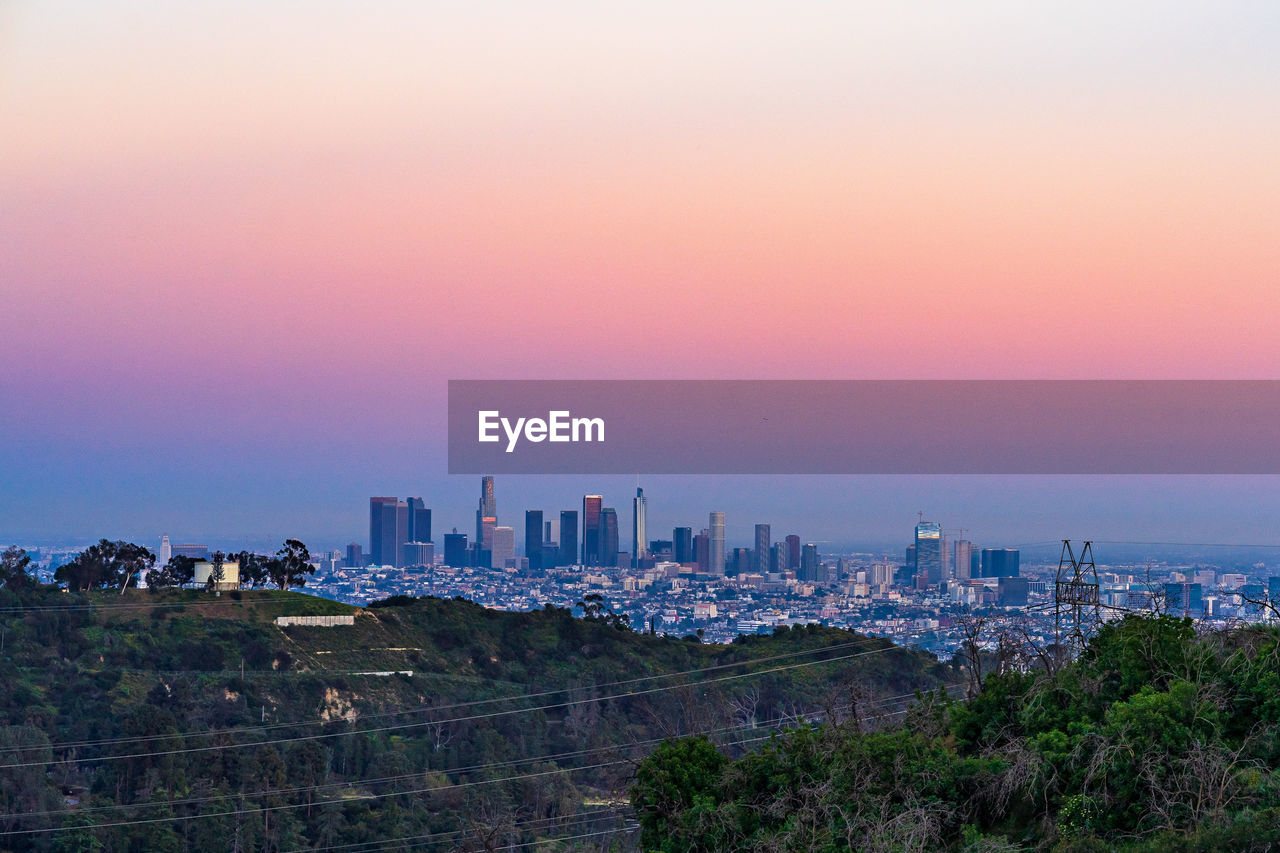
(179, 719)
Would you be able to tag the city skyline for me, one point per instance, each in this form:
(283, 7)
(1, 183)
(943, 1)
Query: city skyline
(849, 510)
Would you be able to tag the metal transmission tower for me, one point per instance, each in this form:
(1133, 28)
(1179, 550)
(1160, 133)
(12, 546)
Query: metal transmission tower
(1077, 607)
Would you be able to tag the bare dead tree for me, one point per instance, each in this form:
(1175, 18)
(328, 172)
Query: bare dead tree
(972, 632)
(743, 707)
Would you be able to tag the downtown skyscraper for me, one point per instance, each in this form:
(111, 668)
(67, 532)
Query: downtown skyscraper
(682, 545)
(608, 536)
(928, 552)
(638, 540)
(533, 539)
(568, 538)
(419, 521)
(760, 557)
(486, 514)
(715, 556)
(592, 505)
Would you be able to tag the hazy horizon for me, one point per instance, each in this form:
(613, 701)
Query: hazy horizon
(243, 247)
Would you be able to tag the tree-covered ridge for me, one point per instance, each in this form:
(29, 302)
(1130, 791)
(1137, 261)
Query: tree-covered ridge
(1154, 739)
(177, 719)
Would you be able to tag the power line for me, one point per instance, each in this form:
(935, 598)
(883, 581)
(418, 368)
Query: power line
(448, 786)
(1058, 542)
(474, 703)
(540, 842)
(302, 789)
(294, 806)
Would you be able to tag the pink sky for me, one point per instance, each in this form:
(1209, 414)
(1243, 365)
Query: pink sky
(325, 210)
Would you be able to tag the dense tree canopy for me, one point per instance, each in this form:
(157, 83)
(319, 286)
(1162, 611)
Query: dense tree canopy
(179, 571)
(1155, 739)
(13, 569)
(106, 565)
(291, 565)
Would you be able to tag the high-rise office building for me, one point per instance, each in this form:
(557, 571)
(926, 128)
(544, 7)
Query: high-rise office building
(793, 553)
(1000, 562)
(809, 566)
(742, 560)
(502, 555)
(355, 556)
(418, 554)
(419, 528)
(568, 538)
(402, 531)
(1184, 599)
(487, 524)
(715, 559)
(486, 514)
(166, 552)
(533, 538)
(638, 534)
(591, 507)
(1012, 591)
(456, 552)
(682, 544)
(929, 551)
(1251, 594)
(763, 541)
(192, 550)
(384, 543)
(702, 552)
(779, 557)
(608, 536)
(963, 548)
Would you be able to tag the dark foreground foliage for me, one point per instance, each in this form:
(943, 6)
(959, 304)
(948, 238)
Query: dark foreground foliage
(1155, 739)
(180, 720)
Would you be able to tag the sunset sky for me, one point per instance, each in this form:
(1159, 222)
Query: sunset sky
(243, 246)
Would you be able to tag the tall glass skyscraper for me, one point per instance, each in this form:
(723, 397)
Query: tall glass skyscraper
(1000, 562)
(715, 559)
(760, 559)
(608, 536)
(929, 551)
(591, 507)
(638, 537)
(568, 538)
(682, 544)
(533, 538)
(486, 514)
(419, 521)
(384, 540)
(793, 553)
(456, 553)
(810, 567)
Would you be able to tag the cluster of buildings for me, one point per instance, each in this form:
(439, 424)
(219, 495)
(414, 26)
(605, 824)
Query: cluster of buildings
(694, 583)
(400, 536)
